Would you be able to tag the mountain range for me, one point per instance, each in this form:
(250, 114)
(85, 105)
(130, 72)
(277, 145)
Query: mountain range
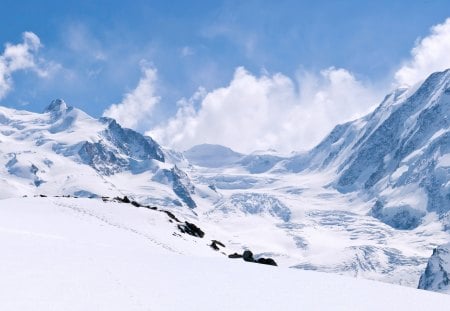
(371, 200)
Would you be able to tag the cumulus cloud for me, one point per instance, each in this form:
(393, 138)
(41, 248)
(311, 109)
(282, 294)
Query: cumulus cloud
(21, 56)
(268, 111)
(134, 111)
(430, 54)
(276, 111)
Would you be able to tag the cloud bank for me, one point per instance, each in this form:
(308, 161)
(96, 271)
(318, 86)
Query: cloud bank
(22, 56)
(268, 111)
(275, 111)
(135, 109)
(429, 55)
(257, 112)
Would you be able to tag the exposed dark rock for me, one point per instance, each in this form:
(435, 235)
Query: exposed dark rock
(215, 245)
(235, 255)
(267, 261)
(171, 215)
(136, 204)
(123, 200)
(191, 229)
(248, 256)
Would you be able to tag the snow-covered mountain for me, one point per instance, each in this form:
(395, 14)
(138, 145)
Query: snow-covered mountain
(398, 154)
(208, 155)
(371, 200)
(63, 151)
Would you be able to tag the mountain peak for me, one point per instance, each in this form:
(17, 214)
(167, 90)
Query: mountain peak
(56, 105)
(210, 155)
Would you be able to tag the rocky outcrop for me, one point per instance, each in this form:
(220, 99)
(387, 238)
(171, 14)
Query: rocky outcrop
(191, 229)
(215, 245)
(247, 256)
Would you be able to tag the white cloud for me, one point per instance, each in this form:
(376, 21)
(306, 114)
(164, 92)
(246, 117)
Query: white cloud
(136, 107)
(429, 55)
(275, 111)
(269, 111)
(21, 56)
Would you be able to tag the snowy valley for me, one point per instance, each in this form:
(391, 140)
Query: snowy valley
(371, 201)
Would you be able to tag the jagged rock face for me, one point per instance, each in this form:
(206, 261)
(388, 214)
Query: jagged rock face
(406, 129)
(180, 182)
(132, 143)
(435, 276)
(120, 149)
(110, 149)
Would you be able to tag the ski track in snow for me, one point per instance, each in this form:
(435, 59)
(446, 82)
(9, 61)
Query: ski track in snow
(120, 226)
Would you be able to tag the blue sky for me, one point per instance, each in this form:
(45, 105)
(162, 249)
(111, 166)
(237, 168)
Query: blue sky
(94, 53)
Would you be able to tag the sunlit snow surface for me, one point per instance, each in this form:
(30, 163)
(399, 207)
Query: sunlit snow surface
(84, 254)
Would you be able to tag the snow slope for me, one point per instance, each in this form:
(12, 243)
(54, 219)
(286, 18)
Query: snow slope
(85, 254)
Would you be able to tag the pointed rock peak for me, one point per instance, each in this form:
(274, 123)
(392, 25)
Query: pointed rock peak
(57, 105)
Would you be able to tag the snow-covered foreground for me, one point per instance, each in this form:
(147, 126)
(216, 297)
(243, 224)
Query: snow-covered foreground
(84, 254)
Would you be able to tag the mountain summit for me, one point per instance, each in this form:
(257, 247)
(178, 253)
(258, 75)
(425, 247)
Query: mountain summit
(56, 105)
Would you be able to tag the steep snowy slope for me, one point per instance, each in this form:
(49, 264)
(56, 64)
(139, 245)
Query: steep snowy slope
(85, 254)
(398, 154)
